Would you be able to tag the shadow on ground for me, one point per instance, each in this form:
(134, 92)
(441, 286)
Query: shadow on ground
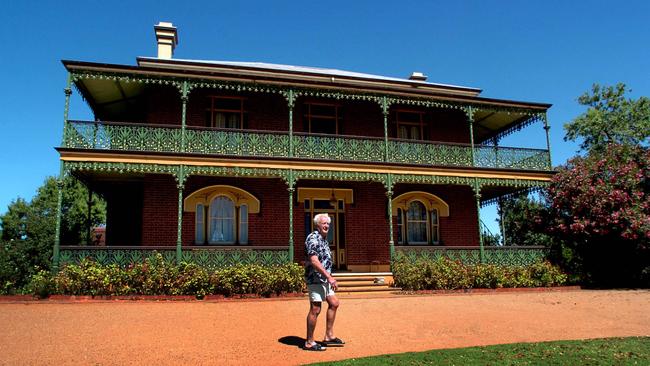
(292, 341)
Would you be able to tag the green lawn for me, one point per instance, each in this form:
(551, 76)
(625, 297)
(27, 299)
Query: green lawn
(607, 351)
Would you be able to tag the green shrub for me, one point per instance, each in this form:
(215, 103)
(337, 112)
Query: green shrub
(41, 285)
(155, 276)
(445, 274)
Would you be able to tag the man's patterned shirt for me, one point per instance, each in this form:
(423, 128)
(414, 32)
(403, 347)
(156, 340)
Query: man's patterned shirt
(316, 245)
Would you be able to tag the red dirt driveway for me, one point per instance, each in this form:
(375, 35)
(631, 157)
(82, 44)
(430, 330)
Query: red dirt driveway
(268, 332)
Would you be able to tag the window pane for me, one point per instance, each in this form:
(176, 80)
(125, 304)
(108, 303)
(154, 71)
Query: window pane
(243, 224)
(323, 110)
(199, 238)
(416, 223)
(400, 226)
(409, 117)
(222, 220)
(417, 232)
(321, 125)
(227, 103)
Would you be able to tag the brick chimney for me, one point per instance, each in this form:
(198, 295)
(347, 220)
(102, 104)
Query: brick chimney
(167, 38)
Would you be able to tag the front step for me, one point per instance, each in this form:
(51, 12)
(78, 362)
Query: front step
(364, 282)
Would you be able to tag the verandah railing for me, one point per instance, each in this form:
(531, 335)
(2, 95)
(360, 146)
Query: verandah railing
(253, 143)
(203, 256)
(499, 255)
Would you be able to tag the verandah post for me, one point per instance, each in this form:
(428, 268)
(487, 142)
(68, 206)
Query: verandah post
(389, 196)
(59, 183)
(291, 189)
(547, 127)
(179, 229)
(477, 195)
(290, 104)
(384, 111)
(470, 119)
(184, 98)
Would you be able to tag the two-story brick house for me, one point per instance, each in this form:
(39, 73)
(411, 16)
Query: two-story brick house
(220, 162)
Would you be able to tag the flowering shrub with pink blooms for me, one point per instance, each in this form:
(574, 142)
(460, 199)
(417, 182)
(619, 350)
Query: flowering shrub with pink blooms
(601, 204)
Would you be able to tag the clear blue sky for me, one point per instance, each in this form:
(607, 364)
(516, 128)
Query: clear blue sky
(541, 51)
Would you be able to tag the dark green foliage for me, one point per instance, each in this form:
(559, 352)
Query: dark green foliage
(28, 230)
(610, 119)
(524, 220)
(595, 352)
(155, 276)
(445, 274)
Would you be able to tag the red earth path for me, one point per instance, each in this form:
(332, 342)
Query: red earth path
(269, 332)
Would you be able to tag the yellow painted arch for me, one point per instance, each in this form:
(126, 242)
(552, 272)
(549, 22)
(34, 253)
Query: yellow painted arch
(429, 200)
(205, 195)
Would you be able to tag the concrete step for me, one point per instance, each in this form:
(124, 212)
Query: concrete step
(367, 289)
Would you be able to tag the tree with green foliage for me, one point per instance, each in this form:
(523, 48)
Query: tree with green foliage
(28, 229)
(610, 119)
(522, 220)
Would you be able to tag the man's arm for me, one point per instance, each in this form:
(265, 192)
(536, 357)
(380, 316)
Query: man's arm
(319, 267)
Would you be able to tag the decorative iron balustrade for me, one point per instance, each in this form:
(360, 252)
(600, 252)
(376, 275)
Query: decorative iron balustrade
(239, 143)
(249, 143)
(511, 158)
(348, 148)
(423, 153)
(122, 136)
(206, 257)
(508, 255)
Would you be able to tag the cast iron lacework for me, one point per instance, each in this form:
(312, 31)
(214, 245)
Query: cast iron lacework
(503, 256)
(338, 148)
(425, 153)
(237, 143)
(511, 158)
(145, 138)
(210, 258)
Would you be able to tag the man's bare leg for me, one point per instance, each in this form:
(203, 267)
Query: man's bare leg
(332, 306)
(312, 317)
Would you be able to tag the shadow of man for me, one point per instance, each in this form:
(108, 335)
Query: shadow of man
(292, 341)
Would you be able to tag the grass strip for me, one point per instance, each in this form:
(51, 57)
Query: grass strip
(605, 351)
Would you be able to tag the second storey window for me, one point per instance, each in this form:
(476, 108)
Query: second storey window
(410, 125)
(322, 118)
(226, 112)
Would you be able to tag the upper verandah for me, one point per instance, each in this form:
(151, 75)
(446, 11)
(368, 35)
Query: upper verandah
(299, 76)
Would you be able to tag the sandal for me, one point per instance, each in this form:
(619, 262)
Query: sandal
(333, 342)
(314, 347)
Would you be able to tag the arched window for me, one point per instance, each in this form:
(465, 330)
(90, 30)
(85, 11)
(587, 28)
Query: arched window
(416, 223)
(222, 221)
(221, 214)
(199, 234)
(418, 217)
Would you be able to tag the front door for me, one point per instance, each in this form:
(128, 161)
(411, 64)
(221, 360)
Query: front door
(336, 234)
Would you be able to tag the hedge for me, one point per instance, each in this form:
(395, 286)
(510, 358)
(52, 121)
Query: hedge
(154, 276)
(445, 274)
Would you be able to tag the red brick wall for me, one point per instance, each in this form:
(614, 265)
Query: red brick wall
(268, 227)
(366, 235)
(366, 224)
(164, 105)
(270, 112)
(159, 211)
(265, 111)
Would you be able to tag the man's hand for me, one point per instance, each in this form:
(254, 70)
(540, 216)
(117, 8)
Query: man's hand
(333, 283)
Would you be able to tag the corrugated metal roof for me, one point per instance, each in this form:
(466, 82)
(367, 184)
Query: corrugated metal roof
(305, 69)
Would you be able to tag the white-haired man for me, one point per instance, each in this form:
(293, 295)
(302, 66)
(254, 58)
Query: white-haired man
(321, 284)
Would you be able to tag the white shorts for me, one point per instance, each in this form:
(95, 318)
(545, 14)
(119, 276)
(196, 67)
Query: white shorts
(318, 293)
